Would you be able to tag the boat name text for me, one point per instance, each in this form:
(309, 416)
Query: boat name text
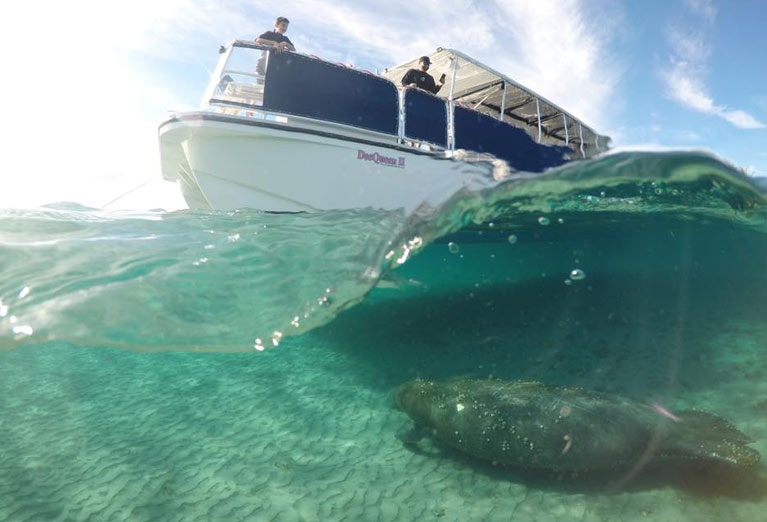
(380, 159)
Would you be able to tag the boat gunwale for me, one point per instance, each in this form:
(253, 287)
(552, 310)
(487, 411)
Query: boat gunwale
(239, 120)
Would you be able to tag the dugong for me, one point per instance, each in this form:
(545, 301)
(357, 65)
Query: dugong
(537, 426)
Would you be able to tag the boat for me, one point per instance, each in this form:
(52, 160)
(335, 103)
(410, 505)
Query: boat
(290, 132)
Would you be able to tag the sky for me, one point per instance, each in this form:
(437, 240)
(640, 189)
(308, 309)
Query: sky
(89, 81)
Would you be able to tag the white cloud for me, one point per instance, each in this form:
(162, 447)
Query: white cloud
(702, 8)
(560, 52)
(553, 47)
(740, 119)
(377, 36)
(685, 75)
(690, 136)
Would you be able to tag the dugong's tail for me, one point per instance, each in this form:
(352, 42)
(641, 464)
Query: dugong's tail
(703, 436)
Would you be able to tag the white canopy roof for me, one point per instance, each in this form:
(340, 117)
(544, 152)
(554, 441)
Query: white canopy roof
(482, 89)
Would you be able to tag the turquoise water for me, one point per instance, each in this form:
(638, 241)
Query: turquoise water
(238, 365)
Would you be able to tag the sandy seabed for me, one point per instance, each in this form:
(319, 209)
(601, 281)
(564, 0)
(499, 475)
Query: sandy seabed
(306, 431)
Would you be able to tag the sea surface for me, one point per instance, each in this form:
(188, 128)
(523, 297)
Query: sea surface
(238, 366)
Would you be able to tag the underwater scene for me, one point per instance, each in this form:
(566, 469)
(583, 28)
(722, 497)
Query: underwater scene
(585, 344)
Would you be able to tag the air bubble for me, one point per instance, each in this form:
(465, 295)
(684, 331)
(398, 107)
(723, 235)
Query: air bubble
(23, 330)
(577, 274)
(544, 221)
(453, 248)
(512, 239)
(415, 243)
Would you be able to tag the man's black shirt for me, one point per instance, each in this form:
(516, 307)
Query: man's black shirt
(423, 80)
(274, 36)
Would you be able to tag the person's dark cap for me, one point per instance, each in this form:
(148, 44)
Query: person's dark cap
(281, 19)
(424, 59)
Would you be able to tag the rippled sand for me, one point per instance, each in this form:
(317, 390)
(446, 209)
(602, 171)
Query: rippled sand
(306, 431)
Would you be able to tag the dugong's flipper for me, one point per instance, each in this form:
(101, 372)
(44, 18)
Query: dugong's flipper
(411, 435)
(703, 436)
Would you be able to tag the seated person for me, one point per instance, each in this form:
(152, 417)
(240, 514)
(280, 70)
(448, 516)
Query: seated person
(421, 79)
(277, 38)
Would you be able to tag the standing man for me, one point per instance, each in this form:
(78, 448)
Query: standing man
(277, 38)
(422, 79)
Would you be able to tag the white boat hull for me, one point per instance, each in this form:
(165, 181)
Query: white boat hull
(232, 162)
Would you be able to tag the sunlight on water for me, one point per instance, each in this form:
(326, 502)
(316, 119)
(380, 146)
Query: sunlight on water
(216, 281)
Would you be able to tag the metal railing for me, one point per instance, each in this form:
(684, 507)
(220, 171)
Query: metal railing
(227, 93)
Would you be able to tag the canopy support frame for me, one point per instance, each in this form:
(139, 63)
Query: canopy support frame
(538, 112)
